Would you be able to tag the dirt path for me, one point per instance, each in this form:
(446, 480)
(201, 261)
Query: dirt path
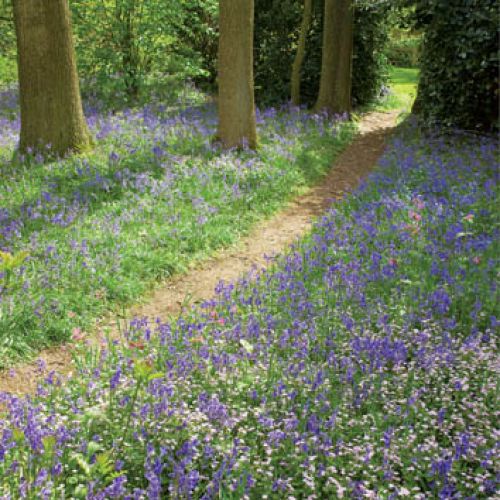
(268, 237)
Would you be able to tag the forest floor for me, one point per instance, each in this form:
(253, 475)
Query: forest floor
(268, 238)
(303, 359)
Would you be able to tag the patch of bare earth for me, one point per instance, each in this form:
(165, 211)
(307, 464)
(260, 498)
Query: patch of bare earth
(269, 237)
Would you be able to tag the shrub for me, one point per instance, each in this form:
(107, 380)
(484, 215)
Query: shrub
(369, 69)
(276, 32)
(404, 52)
(8, 68)
(125, 45)
(198, 36)
(459, 79)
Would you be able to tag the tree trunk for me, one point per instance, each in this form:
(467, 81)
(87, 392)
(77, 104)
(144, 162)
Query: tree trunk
(126, 14)
(336, 65)
(51, 108)
(301, 51)
(235, 74)
(417, 104)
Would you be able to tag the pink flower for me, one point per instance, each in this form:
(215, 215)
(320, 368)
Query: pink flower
(77, 334)
(215, 316)
(419, 203)
(469, 217)
(476, 259)
(415, 216)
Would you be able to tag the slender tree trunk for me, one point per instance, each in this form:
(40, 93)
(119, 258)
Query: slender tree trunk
(417, 104)
(336, 66)
(51, 108)
(130, 58)
(235, 74)
(301, 51)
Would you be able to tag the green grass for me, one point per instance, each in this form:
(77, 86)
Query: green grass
(403, 84)
(404, 81)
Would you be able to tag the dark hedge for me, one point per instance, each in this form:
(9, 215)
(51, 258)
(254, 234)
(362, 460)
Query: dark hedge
(459, 64)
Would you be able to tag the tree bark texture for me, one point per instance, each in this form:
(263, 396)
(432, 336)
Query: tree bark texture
(51, 108)
(301, 51)
(336, 65)
(235, 74)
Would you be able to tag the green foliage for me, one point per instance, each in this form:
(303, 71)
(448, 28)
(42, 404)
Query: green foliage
(8, 263)
(198, 36)
(8, 69)
(459, 80)
(370, 70)
(120, 41)
(311, 69)
(122, 45)
(276, 33)
(404, 52)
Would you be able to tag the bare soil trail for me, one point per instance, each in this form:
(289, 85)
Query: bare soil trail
(268, 237)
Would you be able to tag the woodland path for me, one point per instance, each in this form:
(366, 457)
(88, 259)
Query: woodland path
(268, 237)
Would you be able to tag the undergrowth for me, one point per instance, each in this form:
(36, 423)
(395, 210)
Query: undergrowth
(363, 364)
(155, 195)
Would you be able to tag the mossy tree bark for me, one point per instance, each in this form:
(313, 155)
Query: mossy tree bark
(301, 51)
(235, 74)
(51, 108)
(336, 65)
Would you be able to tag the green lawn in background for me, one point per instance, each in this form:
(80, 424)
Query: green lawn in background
(403, 84)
